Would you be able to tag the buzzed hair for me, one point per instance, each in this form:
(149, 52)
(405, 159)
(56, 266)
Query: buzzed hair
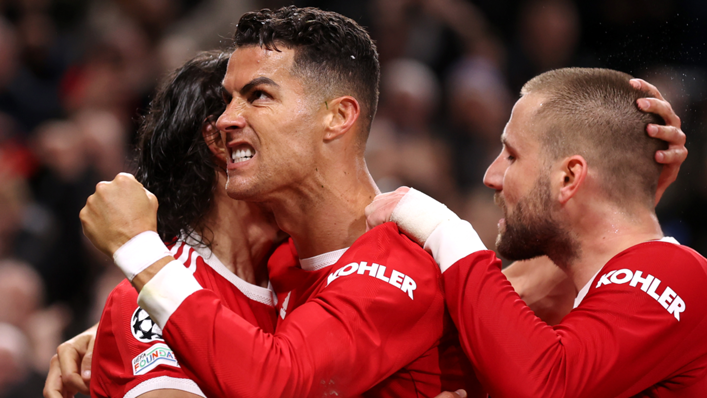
(593, 113)
(333, 54)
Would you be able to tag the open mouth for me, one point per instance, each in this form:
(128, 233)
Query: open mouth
(241, 153)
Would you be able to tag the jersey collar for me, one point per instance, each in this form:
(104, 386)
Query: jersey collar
(322, 260)
(254, 292)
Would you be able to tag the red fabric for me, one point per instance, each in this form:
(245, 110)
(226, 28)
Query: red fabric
(619, 342)
(116, 346)
(338, 338)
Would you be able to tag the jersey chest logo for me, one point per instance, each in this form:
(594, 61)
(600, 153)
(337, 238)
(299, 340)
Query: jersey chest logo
(669, 299)
(144, 329)
(395, 278)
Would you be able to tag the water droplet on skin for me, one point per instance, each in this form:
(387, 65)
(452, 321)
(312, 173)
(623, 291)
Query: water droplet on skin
(352, 57)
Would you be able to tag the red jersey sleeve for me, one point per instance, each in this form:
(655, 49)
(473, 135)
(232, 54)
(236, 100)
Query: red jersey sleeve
(627, 338)
(371, 317)
(130, 357)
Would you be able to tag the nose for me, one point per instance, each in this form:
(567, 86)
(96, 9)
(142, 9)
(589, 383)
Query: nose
(494, 174)
(232, 119)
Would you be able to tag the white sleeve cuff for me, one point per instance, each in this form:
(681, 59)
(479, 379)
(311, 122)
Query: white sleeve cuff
(418, 215)
(451, 241)
(166, 291)
(140, 252)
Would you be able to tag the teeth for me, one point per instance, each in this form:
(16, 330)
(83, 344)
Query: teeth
(241, 155)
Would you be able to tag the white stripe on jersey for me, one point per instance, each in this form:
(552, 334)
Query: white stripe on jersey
(164, 382)
(253, 292)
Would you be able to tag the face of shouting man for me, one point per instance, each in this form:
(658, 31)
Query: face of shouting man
(270, 124)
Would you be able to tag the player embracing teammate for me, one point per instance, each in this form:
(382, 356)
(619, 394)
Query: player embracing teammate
(576, 181)
(359, 312)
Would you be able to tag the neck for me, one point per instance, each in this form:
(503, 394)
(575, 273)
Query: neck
(326, 212)
(242, 235)
(605, 235)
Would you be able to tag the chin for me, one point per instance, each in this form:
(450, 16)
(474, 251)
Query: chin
(518, 248)
(242, 190)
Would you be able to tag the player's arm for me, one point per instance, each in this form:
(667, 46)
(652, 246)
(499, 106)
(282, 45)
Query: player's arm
(70, 369)
(355, 333)
(313, 345)
(595, 351)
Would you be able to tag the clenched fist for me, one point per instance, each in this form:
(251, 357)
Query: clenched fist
(117, 211)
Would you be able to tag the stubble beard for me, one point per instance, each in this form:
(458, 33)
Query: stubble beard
(533, 228)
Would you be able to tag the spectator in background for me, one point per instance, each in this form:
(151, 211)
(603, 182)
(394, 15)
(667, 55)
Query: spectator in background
(548, 34)
(61, 186)
(14, 365)
(406, 145)
(28, 332)
(479, 104)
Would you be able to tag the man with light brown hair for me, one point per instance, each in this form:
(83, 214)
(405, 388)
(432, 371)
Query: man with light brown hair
(577, 182)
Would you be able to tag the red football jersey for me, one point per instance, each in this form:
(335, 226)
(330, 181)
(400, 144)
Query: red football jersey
(131, 357)
(640, 331)
(368, 318)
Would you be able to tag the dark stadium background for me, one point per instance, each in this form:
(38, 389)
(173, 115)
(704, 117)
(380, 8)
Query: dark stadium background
(75, 75)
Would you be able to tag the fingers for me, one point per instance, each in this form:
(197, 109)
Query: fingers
(69, 362)
(671, 156)
(661, 108)
(152, 199)
(643, 85)
(455, 394)
(671, 134)
(86, 363)
(380, 210)
(53, 386)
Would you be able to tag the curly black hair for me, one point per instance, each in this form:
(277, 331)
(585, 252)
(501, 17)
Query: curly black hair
(332, 52)
(173, 160)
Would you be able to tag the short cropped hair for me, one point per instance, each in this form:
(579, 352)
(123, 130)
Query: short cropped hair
(333, 54)
(173, 160)
(593, 112)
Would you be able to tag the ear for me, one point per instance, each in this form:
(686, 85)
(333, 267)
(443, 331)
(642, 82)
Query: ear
(573, 173)
(342, 114)
(213, 140)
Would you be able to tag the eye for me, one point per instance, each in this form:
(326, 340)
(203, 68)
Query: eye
(258, 95)
(226, 96)
(510, 158)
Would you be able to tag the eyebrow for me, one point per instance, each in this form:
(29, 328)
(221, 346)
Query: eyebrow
(504, 141)
(257, 82)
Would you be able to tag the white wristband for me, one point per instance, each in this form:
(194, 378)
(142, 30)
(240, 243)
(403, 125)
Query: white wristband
(418, 215)
(139, 253)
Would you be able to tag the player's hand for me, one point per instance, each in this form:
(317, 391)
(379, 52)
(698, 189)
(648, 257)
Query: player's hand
(380, 210)
(455, 394)
(72, 357)
(673, 157)
(118, 211)
(416, 214)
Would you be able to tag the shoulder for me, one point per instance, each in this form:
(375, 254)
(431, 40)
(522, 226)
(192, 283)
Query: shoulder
(388, 244)
(667, 260)
(384, 258)
(662, 274)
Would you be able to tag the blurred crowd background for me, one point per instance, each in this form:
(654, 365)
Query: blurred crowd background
(76, 74)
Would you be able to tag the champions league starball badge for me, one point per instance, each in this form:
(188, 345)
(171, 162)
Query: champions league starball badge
(144, 328)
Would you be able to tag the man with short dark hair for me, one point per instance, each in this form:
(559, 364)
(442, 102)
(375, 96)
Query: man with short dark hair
(360, 314)
(576, 181)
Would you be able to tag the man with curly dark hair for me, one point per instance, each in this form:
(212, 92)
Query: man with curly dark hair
(224, 242)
